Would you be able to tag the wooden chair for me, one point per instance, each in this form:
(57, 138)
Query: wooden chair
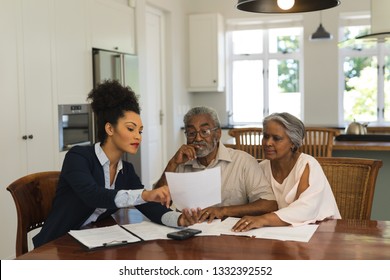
(33, 195)
(248, 139)
(353, 184)
(318, 141)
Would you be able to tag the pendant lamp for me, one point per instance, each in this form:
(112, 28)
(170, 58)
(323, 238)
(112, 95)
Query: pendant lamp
(285, 6)
(321, 33)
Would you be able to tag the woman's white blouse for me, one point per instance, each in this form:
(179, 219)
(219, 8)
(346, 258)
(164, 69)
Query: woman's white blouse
(316, 203)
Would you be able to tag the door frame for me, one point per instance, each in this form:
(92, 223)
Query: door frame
(146, 174)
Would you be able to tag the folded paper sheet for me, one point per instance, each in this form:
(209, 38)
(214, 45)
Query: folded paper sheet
(195, 189)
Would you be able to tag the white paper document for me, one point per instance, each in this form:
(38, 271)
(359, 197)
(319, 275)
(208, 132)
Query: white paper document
(146, 230)
(149, 230)
(215, 228)
(286, 233)
(104, 236)
(195, 189)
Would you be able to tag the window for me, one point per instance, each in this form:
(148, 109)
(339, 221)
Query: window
(265, 70)
(365, 87)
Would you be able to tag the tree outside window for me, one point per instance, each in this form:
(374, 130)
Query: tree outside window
(366, 83)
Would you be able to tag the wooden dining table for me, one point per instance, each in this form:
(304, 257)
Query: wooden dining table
(333, 240)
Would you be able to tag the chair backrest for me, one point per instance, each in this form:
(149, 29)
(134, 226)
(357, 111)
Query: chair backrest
(353, 184)
(33, 196)
(248, 139)
(318, 141)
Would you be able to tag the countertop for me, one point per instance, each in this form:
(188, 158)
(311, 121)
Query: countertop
(342, 145)
(361, 146)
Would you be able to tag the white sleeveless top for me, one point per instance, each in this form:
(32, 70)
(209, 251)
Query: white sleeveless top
(316, 203)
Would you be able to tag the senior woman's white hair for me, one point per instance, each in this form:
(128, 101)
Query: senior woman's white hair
(295, 129)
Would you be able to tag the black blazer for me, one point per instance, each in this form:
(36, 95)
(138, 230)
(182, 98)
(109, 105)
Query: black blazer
(81, 190)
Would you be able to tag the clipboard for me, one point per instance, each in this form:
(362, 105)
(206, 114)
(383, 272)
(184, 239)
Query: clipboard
(104, 237)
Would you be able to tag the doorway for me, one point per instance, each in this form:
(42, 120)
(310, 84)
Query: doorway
(155, 90)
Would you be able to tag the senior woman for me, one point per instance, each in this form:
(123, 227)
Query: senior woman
(300, 186)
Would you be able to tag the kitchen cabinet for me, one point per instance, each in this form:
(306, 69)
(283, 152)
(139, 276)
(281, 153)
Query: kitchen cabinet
(37, 106)
(27, 142)
(113, 26)
(73, 53)
(207, 53)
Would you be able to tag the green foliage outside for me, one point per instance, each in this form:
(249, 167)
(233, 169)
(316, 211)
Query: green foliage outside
(361, 79)
(361, 88)
(288, 69)
(361, 94)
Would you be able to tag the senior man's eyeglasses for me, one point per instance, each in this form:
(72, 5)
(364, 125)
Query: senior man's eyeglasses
(204, 133)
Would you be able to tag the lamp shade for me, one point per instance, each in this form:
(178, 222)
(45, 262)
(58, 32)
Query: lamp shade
(321, 34)
(380, 25)
(271, 6)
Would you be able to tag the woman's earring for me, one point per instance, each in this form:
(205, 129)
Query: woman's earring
(293, 149)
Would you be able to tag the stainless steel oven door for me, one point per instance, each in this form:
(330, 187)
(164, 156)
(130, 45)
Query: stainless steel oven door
(75, 125)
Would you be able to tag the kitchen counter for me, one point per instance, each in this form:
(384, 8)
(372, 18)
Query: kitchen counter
(361, 146)
(342, 145)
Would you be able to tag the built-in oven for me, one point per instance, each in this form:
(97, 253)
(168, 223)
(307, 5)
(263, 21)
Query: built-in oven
(75, 125)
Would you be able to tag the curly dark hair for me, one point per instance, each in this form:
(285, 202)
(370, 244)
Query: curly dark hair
(109, 101)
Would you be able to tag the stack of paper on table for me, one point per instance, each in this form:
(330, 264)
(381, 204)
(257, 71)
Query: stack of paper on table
(151, 231)
(117, 235)
(285, 233)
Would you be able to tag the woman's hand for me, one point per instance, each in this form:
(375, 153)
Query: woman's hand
(249, 222)
(161, 195)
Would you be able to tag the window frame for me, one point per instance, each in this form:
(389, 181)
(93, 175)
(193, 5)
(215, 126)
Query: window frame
(265, 57)
(380, 51)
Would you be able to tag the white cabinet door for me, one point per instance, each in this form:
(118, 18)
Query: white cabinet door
(37, 86)
(11, 149)
(27, 141)
(73, 53)
(206, 44)
(112, 26)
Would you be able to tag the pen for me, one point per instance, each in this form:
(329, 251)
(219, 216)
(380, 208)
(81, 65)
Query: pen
(114, 242)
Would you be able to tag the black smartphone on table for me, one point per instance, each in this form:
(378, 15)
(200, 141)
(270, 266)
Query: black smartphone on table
(183, 234)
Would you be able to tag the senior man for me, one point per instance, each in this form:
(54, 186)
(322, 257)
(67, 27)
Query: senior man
(243, 189)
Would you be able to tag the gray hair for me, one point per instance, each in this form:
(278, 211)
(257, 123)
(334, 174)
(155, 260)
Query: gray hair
(201, 110)
(295, 129)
